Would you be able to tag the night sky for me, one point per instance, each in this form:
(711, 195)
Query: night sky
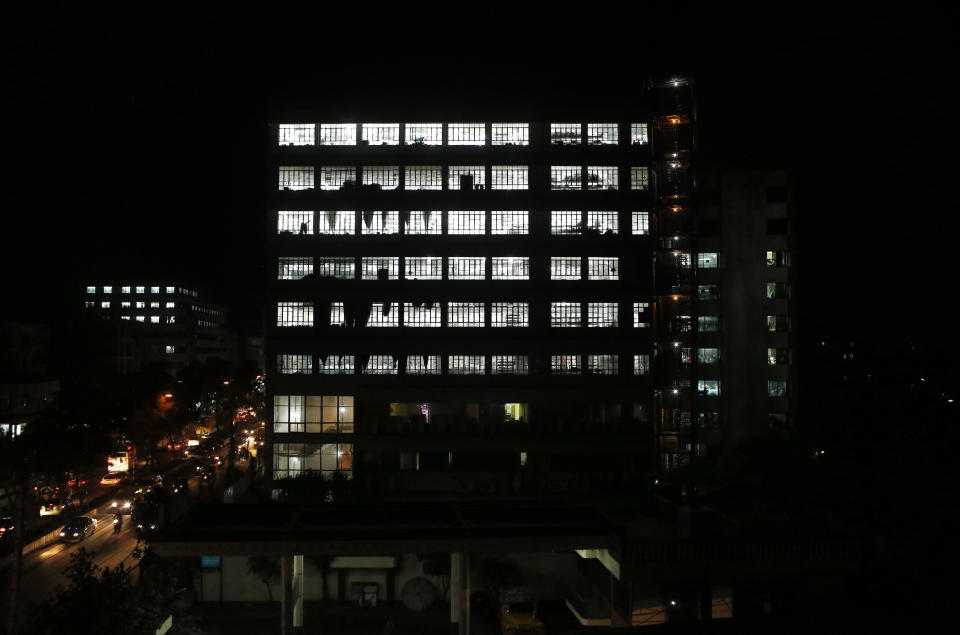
(135, 142)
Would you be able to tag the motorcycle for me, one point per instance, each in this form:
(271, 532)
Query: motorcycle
(117, 525)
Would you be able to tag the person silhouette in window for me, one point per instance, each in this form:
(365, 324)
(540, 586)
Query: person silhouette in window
(303, 228)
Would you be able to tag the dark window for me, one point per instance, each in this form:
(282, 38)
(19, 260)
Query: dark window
(710, 227)
(776, 226)
(710, 197)
(777, 194)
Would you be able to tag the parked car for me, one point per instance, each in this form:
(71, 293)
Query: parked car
(78, 528)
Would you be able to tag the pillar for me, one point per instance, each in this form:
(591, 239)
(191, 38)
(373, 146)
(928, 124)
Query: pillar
(460, 593)
(297, 588)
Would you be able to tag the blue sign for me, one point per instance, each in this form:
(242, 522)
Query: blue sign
(210, 562)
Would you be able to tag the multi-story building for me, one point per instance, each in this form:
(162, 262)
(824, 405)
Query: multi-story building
(492, 302)
(157, 322)
(28, 380)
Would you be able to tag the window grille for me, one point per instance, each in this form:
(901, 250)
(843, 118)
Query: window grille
(603, 177)
(566, 177)
(465, 314)
(296, 134)
(509, 177)
(380, 222)
(639, 178)
(381, 134)
(564, 268)
(384, 314)
(423, 365)
(466, 365)
(708, 323)
(381, 365)
(466, 268)
(641, 318)
(641, 364)
(420, 222)
(565, 314)
(708, 387)
(335, 267)
(466, 134)
(423, 177)
(462, 177)
(602, 268)
(421, 314)
(294, 313)
(380, 268)
(337, 177)
(294, 268)
(509, 365)
(336, 222)
(296, 177)
(565, 365)
(504, 222)
(603, 364)
(708, 355)
(294, 364)
(428, 134)
(606, 223)
(707, 260)
(510, 268)
(564, 222)
(640, 222)
(602, 134)
(462, 222)
(423, 268)
(509, 314)
(337, 316)
(338, 134)
(602, 314)
(336, 364)
(639, 134)
(289, 412)
(565, 134)
(510, 134)
(384, 177)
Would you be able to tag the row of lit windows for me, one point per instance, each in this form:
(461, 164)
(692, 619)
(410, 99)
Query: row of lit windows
(305, 364)
(459, 177)
(431, 268)
(458, 134)
(127, 305)
(141, 289)
(462, 314)
(711, 387)
(454, 222)
(324, 459)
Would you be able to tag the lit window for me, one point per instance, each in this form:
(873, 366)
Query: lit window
(382, 177)
(170, 319)
(423, 365)
(508, 177)
(90, 304)
(338, 134)
(602, 314)
(141, 305)
(510, 268)
(466, 177)
(337, 177)
(289, 412)
(466, 365)
(460, 222)
(293, 364)
(154, 305)
(639, 134)
(154, 319)
(776, 290)
(384, 314)
(124, 289)
(640, 222)
(708, 387)
(108, 289)
(337, 315)
(565, 222)
(104, 305)
(510, 134)
(171, 290)
(603, 177)
(123, 305)
(565, 314)
(125, 317)
(708, 323)
(335, 364)
(602, 134)
(330, 414)
(326, 459)
(777, 356)
(778, 259)
(641, 364)
(423, 177)
(639, 178)
(603, 223)
(380, 222)
(167, 305)
(296, 177)
(294, 313)
(141, 289)
(380, 268)
(465, 314)
(466, 134)
(141, 318)
(293, 268)
(381, 134)
(708, 355)
(380, 365)
(707, 260)
(681, 260)
(422, 314)
(509, 365)
(421, 222)
(776, 387)
(565, 365)
(296, 134)
(566, 134)
(423, 268)
(427, 134)
(337, 268)
(564, 268)
(466, 268)
(776, 323)
(91, 289)
(708, 292)
(508, 222)
(602, 268)
(566, 177)
(603, 364)
(336, 222)
(509, 314)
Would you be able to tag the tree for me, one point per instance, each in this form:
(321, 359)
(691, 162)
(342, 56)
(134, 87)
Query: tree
(266, 569)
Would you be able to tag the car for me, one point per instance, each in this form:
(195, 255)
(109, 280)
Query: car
(78, 528)
(112, 479)
(143, 486)
(178, 486)
(54, 507)
(206, 472)
(123, 504)
(6, 528)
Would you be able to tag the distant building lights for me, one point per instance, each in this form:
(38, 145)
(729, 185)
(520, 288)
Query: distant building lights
(675, 391)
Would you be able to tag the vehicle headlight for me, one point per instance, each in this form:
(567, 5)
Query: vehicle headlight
(62, 534)
(139, 526)
(153, 526)
(114, 504)
(76, 533)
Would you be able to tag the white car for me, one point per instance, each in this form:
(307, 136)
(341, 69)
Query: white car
(111, 478)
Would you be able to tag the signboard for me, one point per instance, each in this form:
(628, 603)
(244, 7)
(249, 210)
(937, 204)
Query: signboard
(209, 562)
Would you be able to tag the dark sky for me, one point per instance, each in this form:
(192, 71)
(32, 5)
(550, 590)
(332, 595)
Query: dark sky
(135, 141)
